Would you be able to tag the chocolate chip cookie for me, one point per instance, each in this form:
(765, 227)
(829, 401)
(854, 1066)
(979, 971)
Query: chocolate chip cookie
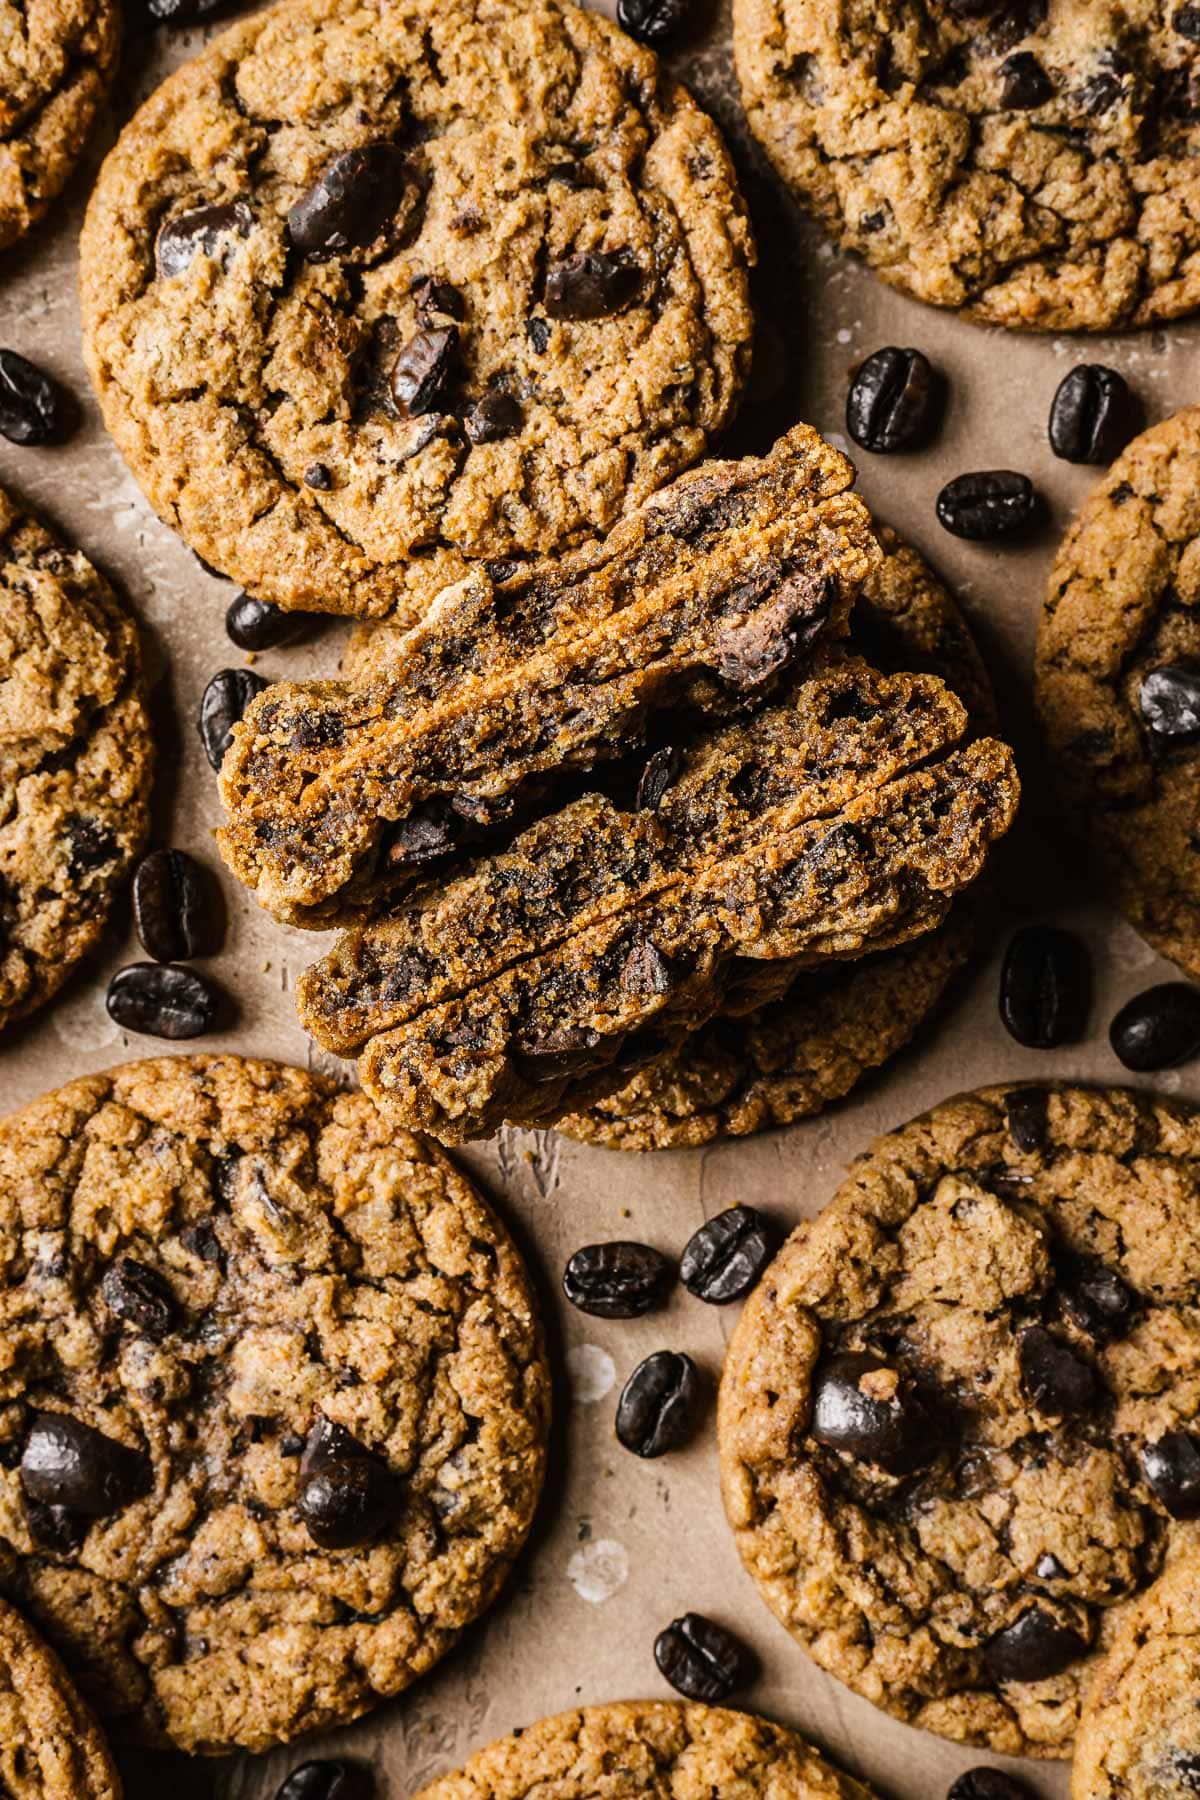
(1029, 162)
(1118, 681)
(76, 758)
(275, 1406)
(57, 62)
(788, 1060)
(375, 294)
(50, 1745)
(1139, 1736)
(634, 1748)
(958, 1418)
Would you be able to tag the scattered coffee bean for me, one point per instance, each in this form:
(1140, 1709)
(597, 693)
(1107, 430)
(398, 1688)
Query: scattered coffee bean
(328, 1780)
(1026, 1111)
(187, 235)
(162, 1000)
(222, 704)
(169, 905)
(1171, 1466)
(1169, 700)
(994, 503)
(1096, 1299)
(1093, 415)
(988, 1784)
(32, 405)
(591, 285)
(1045, 987)
(1033, 1648)
(66, 1463)
(1054, 1377)
(867, 1408)
(653, 21)
(618, 1280)
(422, 370)
(723, 1260)
(658, 1404)
(1158, 1029)
(701, 1660)
(1024, 83)
(140, 1297)
(894, 402)
(494, 417)
(348, 1495)
(261, 625)
(436, 299)
(356, 197)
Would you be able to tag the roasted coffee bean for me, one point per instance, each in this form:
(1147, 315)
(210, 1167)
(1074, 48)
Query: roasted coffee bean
(1096, 1299)
(1024, 83)
(436, 299)
(348, 1495)
(54, 1528)
(723, 1260)
(1158, 1029)
(261, 625)
(1169, 700)
(169, 905)
(162, 1000)
(591, 285)
(421, 371)
(893, 403)
(870, 1410)
(139, 1296)
(33, 407)
(187, 235)
(1093, 415)
(657, 776)
(222, 704)
(1026, 1111)
(658, 1404)
(1186, 21)
(618, 1280)
(328, 1780)
(994, 503)
(493, 417)
(67, 1463)
(701, 1660)
(1171, 1466)
(1033, 1648)
(1045, 987)
(654, 21)
(1054, 1377)
(356, 197)
(988, 1784)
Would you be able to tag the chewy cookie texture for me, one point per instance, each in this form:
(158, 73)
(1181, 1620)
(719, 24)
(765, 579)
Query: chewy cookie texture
(374, 293)
(275, 1403)
(50, 1745)
(631, 1749)
(1029, 162)
(76, 758)
(57, 60)
(957, 1417)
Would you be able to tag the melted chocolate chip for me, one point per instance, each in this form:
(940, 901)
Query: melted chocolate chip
(1027, 1112)
(1034, 1647)
(436, 299)
(1054, 1377)
(1171, 1466)
(421, 372)
(187, 235)
(356, 197)
(428, 832)
(591, 285)
(772, 637)
(348, 1495)
(1096, 1299)
(1024, 83)
(139, 1296)
(1169, 701)
(865, 1407)
(492, 418)
(66, 1463)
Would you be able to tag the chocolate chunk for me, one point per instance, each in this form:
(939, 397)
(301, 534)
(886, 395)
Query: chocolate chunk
(1018, 19)
(1027, 1110)
(646, 970)
(1054, 1377)
(617, 1280)
(436, 299)
(865, 1407)
(657, 776)
(568, 1052)
(894, 402)
(140, 1297)
(318, 477)
(1094, 98)
(66, 1463)
(187, 235)
(1093, 415)
(1169, 701)
(1186, 21)
(54, 1528)
(1158, 1029)
(222, 704)
(328, 1780)
(723, 1260)
(357, 196)
(994, 503)
(654, 21)
(162, 1000)
(658, 1405)
(492, 418)
(33, 408)
(428, 832)
(170, 905)
(538, 333)
(260, 625)
(422, 370)
(348, 1495)
(591, 285)
(1045, 987)
(988, 1784)
(753, 650)
(1171, 1466)
(1096, 1299)
(93, 846)
(1024, 83)
(701, 1660)
(1033, 1648)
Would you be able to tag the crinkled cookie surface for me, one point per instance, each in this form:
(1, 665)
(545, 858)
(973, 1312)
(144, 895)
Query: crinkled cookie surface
(50, 1745)
(57, 61)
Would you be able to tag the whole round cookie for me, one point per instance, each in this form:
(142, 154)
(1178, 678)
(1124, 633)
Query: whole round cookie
(275, 1404)
(1118, 681)
(1139, 1735)
(1032, 163)
(959, 1415)
(373, 292)
(76, 758)
(57, 62)
(633, 1748)
(794, 1057)
(50, 1745)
